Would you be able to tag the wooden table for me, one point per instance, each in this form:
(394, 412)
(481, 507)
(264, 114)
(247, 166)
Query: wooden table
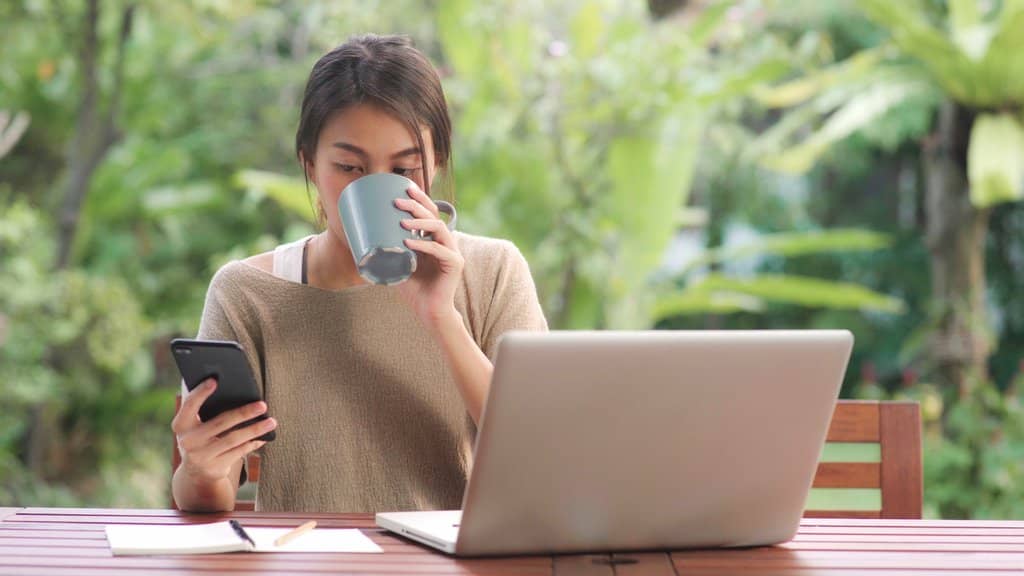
(63, 541)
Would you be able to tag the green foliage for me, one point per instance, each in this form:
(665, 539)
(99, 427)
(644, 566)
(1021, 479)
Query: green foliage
(795, 244)
(790, 290)
(976, 469)
(290, 193)
(587, 154)
(718, 293)
(978, 62)
(72, 349)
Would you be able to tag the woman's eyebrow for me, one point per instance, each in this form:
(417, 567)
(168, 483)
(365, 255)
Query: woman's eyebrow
(351, 148)
(414, 151)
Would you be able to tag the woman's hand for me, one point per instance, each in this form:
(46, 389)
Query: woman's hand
(208, 450)
(431, 289)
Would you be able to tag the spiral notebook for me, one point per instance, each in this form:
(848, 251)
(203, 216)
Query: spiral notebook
(229, 536)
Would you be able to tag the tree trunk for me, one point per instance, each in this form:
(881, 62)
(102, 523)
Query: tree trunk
(955, 235)
(96, 131)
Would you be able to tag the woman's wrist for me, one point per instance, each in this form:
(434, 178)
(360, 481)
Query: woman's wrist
(446, 324)
(202, 495)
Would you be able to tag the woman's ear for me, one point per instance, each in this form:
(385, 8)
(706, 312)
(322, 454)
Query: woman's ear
(307, 166)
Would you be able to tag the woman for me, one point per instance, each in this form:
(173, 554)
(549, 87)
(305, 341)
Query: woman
(376, 390)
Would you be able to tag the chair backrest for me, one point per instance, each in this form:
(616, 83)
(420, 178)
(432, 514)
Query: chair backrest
(871, 464)
(252, 466)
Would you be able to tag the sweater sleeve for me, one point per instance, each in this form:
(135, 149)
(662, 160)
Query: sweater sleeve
(514, 304)
(225, 318)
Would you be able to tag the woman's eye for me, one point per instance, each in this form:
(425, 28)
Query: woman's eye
(407, 172)
(348, 168)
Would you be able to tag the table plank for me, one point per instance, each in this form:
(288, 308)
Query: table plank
(845, 572)
(253, 563)
(781, 558)
(896, 531)
(975, 538)
(910, 523)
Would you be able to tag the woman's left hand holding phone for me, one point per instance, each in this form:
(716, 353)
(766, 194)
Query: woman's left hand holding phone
(211, 451)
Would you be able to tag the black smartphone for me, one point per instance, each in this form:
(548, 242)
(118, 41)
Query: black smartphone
(200, 359)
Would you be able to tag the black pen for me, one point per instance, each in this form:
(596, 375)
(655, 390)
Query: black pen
(241, 531)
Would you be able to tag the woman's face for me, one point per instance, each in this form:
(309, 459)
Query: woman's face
(359, 140)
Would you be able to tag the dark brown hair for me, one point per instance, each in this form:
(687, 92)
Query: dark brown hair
(386, 71)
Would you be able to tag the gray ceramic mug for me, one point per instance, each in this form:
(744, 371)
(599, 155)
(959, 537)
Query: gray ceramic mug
(373, 227)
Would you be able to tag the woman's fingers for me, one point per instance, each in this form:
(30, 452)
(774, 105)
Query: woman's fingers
(448, 258)
(188, 415)
(240, 451)
(231, 418)
(415, 208)
(236, 438)
(436, 228)
(207, 455)
(421, 198)
(209, 449)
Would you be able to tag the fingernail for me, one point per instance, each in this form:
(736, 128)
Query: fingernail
(261, 407)
(209, 384)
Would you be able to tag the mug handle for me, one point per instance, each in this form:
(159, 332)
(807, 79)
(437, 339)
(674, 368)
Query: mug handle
(448, 209)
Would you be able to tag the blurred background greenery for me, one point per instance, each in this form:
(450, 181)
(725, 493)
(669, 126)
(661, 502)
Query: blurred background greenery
(669, 164)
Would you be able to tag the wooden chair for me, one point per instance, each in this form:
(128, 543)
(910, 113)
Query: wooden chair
(252, 468)
(871, 465)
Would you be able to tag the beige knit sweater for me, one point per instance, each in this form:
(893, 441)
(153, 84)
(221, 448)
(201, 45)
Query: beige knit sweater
(369, 417)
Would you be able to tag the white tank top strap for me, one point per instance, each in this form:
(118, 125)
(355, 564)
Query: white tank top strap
(288, 260)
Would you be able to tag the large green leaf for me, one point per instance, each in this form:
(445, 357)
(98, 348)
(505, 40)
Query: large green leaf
(745, 81)
(995, 160)
(1003, 66)
(289, 192)
(179, 199)
(856, 114)
(692, 302)
(918, 38)
(970, 33)
(780, 289)
(650, 178)
(806, 87)
(795, 244)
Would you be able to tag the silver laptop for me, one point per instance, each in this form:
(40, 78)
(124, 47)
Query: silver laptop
(601, 441)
